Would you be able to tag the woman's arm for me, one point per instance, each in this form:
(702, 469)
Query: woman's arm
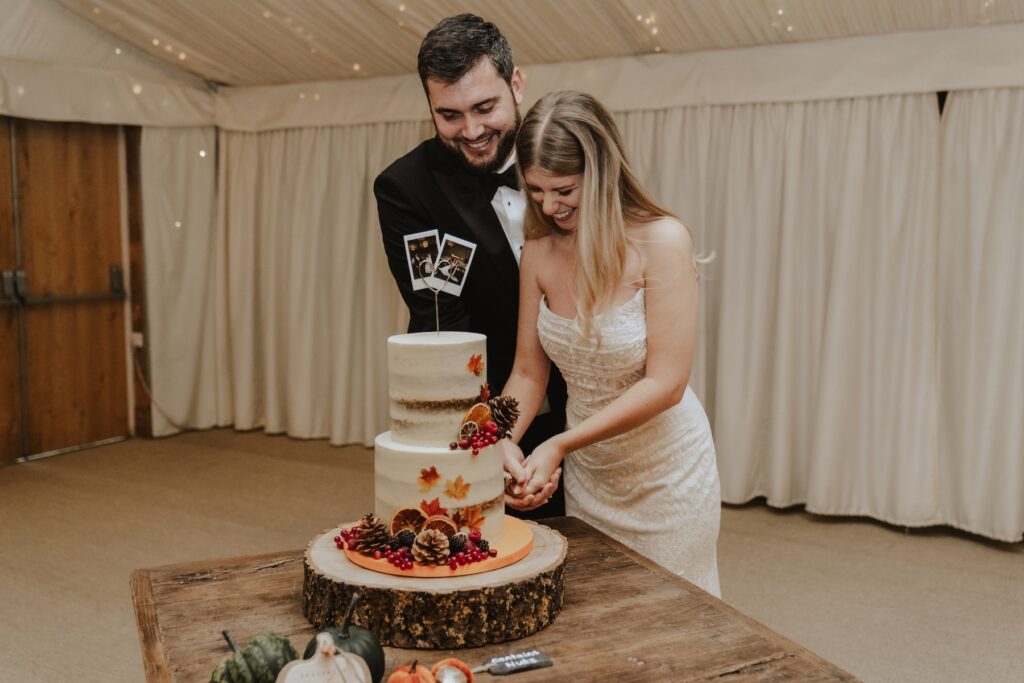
(671, 301)
(529, 378)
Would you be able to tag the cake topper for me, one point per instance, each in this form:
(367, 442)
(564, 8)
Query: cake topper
(441, 268)
(421, 250)
(426, 270)
(452, 265)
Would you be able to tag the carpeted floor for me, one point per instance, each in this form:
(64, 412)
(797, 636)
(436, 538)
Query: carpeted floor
(884, 604)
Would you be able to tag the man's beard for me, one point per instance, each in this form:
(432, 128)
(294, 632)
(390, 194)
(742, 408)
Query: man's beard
(506, 142)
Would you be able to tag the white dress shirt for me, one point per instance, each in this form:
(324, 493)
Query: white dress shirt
(510, 207)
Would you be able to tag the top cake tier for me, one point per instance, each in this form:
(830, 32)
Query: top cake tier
(434, 378)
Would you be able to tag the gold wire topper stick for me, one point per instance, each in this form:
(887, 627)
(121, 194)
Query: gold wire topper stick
(456, 264)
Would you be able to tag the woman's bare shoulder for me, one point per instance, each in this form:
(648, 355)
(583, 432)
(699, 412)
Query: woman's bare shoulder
(539, 246)
(666, 234)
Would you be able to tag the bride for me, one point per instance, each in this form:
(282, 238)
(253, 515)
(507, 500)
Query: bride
(609, 292)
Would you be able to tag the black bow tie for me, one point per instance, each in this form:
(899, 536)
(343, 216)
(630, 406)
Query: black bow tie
(490, 182)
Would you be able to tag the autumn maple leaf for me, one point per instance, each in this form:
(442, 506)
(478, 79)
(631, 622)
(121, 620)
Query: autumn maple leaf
(456, 489)
(485, 392)
(476, 364)
(428, 478)
(433, 508)
(469, 517)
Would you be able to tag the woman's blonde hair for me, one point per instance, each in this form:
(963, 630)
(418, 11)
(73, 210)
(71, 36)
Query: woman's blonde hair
(569, 133)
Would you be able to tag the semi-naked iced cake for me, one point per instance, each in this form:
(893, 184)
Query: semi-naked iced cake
(423, 462)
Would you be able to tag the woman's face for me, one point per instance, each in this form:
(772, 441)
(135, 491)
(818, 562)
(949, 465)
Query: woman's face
(557, 195)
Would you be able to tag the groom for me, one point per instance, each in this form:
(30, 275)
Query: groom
(462, 182)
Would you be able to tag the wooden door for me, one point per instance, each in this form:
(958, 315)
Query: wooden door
(10, 384)
(69, 225)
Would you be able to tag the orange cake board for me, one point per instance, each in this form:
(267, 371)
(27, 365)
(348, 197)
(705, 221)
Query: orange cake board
(515, 544)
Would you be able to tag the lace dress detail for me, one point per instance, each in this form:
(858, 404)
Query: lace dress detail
(654, 488)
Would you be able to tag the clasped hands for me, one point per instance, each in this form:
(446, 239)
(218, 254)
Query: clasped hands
(534, 479)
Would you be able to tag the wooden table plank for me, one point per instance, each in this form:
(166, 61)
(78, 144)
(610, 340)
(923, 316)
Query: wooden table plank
(154, 656)
(624, 618)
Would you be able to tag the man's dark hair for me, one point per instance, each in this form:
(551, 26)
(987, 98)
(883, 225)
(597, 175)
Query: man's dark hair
(456, 44)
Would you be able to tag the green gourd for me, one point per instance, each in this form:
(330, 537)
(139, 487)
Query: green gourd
(354, 639)
(259, 661)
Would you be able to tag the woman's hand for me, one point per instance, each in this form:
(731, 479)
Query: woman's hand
(513, 456)
(515, 497)
(541, 465)
(529, 501)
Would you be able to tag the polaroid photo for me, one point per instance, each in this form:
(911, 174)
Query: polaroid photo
(452, 265)
(421, 252)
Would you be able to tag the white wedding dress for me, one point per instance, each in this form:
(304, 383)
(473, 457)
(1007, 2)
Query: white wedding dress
(654, 488)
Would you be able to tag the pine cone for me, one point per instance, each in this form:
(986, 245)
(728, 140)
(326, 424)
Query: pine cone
(504, 412)
(431, 547)
(373, 535)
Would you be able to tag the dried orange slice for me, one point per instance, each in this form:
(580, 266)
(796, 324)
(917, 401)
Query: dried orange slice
(442, 523)
(468, 430)
(478, 414)
(407, 518)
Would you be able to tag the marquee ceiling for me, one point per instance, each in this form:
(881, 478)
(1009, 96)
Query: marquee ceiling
(266, 42)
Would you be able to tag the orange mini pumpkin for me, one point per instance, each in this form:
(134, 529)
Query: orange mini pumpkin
(411, 673)
(455, 664)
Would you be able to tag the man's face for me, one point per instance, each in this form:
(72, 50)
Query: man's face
(477, 116)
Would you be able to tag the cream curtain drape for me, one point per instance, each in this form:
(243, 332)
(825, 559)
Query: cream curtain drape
(270, 305)
(310, 301)
(859, 345)
(183, 305)
(980, 313)
(817, 362)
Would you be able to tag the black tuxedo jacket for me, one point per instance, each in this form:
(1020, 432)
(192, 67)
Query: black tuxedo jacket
(426, 189)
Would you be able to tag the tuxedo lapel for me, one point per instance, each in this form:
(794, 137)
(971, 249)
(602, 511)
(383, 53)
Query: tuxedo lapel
(463, 191)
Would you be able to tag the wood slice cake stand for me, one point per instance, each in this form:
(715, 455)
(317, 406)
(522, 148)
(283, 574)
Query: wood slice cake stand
(438, 613)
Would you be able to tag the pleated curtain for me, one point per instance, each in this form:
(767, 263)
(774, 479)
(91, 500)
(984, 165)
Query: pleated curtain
(284, 322)
(860, 346)
(980, 290)
(184, 307)
(817, 361)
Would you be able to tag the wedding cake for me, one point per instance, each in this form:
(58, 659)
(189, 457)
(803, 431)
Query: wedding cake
(438, 458)
(437, 564)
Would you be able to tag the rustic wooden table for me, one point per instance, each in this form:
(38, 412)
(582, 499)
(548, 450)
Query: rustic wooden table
(624, 618)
